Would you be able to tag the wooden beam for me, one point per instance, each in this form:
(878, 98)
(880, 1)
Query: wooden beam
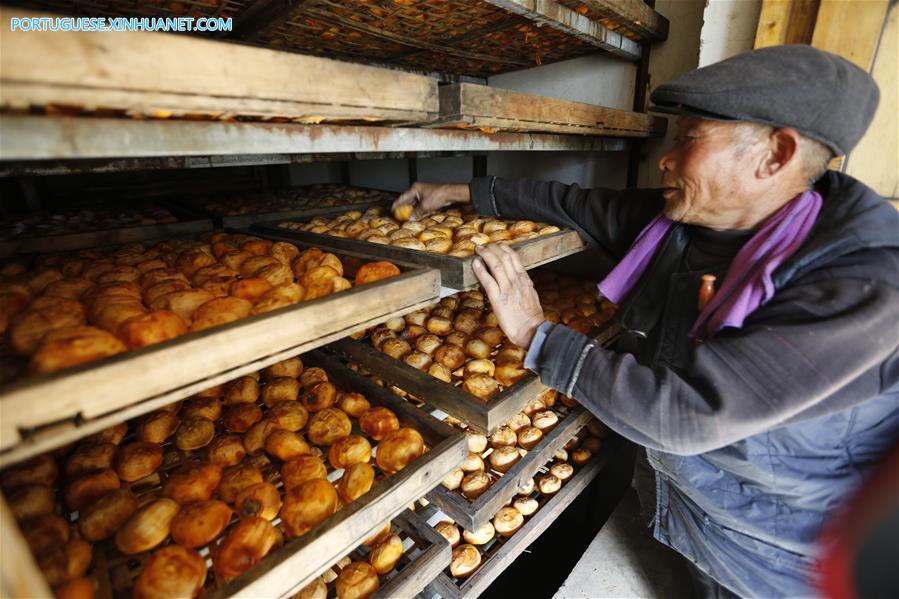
(552, 14)
(786, 22)
(634, 15)
(161, 75)
(49, 138)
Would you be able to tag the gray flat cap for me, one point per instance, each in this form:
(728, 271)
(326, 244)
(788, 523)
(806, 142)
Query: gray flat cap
(819, 94)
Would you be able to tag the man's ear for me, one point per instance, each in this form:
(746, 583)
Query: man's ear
(783, 148)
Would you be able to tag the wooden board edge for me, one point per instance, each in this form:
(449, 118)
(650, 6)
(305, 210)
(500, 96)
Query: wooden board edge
(90, 239)
(432, 391)
(20, 576)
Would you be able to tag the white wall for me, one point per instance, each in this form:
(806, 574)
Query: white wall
(728, 29)
(594, 79)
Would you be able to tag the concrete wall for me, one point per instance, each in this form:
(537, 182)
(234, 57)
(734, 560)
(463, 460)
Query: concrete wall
(675, 56)
(702, 32)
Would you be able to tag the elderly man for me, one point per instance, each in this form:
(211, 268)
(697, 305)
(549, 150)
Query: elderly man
(761, 407)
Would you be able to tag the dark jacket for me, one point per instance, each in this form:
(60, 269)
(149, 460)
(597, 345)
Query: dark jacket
(757, 434)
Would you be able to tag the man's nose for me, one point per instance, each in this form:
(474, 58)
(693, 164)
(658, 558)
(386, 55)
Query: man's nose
(666, 162)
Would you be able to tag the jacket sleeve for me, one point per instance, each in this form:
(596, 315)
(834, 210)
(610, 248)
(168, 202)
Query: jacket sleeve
(825, 343)
(607, 218)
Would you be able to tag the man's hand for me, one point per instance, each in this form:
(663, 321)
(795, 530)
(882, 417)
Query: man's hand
(511, 292)
(427, 197)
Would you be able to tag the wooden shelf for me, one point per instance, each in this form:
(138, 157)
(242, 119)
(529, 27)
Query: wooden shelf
(26, 138)
(500, 553)
(299, 560)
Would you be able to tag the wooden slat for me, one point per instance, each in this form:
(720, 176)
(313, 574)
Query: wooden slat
(480, 106)
(300, 560)
(155, 73)
(474, 514)
(181, 367)
(634, 15)
(875, 160)
(89, 239)
(850, 29)
(482, 578)
(426, 567)
(786, 22)
(554, 15)
(456, 273)
(19, 574)
(326, 14)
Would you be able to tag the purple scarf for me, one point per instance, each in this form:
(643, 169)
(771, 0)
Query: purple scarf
(747, 284)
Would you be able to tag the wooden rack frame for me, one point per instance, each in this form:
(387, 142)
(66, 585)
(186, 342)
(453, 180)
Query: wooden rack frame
(468, 105)
(300, 560)
(509, 549)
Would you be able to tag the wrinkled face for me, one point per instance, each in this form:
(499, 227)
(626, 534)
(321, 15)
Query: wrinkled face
(708, 176)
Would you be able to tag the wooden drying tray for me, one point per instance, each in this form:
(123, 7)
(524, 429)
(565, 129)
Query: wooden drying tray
(300, 560)
(160, 75)
(241, 221)
(475, 514)
(91, 396)
(467, 105)
(501, 552)
(91, 239)
(483, 416)
(456, 273)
